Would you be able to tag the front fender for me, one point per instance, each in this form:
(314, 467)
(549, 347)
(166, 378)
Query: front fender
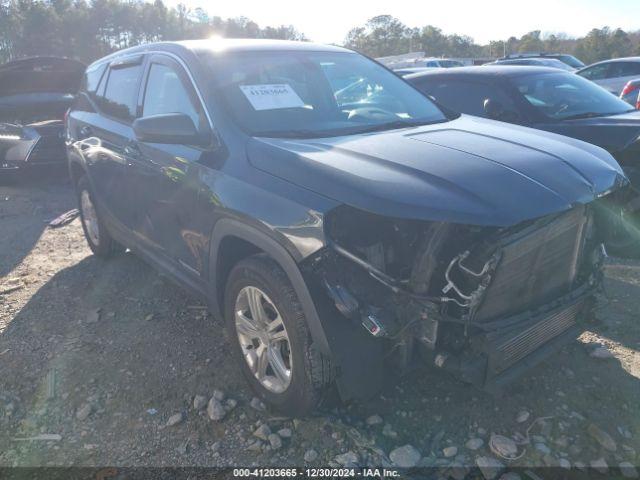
(230, 227)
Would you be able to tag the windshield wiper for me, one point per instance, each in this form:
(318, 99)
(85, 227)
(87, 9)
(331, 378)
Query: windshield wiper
(394, 125)
(293, 134)
(578, 116)
(343, 131)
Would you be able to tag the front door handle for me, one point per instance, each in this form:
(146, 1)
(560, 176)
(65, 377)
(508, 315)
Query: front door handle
(132, 150)
(86, 131)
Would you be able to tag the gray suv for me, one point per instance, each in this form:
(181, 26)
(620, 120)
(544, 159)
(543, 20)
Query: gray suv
(341, 223)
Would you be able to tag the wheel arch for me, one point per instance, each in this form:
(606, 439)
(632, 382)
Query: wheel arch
(231, 241)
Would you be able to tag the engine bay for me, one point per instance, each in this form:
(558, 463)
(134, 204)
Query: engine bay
(441, 287)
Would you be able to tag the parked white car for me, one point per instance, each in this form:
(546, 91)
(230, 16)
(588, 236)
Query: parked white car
(612, 74)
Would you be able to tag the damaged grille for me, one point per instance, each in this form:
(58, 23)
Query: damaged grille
(509, 351)
(537, 265)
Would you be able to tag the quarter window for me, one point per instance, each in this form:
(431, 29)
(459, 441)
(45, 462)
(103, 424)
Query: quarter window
(121, 92)
(165, 93)
(92, 79)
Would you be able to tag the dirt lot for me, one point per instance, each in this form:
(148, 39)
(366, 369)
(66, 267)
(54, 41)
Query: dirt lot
(107, 355)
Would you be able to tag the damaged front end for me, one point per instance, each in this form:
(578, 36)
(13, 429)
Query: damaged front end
(484, 303)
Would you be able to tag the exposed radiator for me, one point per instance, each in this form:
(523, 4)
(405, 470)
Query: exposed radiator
(510, 350)
(537, 265)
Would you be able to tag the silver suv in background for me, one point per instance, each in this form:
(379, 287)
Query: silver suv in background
(613, 74)
(565, 58)
(535, 62)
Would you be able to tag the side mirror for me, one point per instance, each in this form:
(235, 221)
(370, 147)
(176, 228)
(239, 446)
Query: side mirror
(170, 128)
(496, 111)
(493, 109)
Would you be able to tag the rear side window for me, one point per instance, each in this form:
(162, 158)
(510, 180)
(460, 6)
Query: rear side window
(121, 92)
(165, 93)
(624, 69)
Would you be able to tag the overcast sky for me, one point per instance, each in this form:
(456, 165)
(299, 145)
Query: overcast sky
(328, 21)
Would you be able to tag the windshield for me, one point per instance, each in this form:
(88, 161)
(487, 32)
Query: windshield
(562, 96)
(307, 94)
(571, 61)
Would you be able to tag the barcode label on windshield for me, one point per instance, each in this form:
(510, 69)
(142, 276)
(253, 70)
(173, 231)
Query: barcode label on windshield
(271, 97)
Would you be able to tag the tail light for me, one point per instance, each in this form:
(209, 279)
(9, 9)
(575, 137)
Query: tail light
(630, 87)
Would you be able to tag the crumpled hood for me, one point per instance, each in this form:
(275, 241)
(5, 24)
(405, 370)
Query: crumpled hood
(470, 171)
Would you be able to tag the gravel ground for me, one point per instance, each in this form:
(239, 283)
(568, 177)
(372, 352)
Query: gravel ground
(106, 363)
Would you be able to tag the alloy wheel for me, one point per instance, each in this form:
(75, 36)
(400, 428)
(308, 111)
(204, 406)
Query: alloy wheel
(263, 339)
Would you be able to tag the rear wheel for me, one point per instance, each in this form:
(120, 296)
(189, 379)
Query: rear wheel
(271, 338)
(100, 241)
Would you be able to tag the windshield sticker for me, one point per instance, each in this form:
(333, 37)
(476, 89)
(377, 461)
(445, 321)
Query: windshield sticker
(271, 97)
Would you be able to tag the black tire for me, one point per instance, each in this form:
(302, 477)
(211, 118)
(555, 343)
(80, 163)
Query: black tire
(311, 372)
(105, 246)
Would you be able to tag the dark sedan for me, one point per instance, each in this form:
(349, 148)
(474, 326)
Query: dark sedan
(34, 95)
(547, 99)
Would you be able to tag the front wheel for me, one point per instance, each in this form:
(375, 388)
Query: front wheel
(100, 241)
(271, 338)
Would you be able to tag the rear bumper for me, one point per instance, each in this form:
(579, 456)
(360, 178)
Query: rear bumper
(516, 344)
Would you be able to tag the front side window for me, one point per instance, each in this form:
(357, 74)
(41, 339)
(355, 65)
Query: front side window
(165, 93)
(307, 94)
(121, 92)
(563, 96)
(597, 72)
(467, 97)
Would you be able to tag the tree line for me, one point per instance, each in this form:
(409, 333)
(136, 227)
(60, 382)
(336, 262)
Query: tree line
(385, 35)
(90, 29)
